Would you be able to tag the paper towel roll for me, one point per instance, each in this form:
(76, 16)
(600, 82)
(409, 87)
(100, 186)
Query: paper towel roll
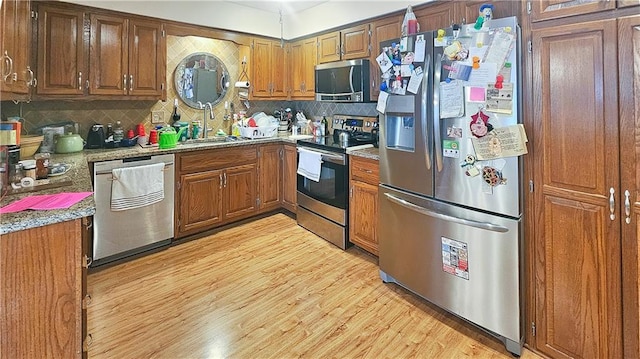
(242, 84)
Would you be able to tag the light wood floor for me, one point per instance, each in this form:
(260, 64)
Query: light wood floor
(268, 289)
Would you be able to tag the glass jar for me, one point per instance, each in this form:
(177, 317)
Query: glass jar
(29, 170)
(16, 175)
(42, 165)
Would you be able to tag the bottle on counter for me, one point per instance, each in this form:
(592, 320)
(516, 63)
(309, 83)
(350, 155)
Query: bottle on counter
(109, 131)
(118, 132)
(195, 129)
(325, 125)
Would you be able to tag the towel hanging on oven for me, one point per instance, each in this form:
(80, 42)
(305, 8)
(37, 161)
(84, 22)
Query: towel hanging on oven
(135, 187)
(309, 164)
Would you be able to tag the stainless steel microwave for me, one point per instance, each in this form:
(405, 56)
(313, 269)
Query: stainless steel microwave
(343, 81)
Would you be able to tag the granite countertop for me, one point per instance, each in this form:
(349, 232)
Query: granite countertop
(371, 153)
(80, 176)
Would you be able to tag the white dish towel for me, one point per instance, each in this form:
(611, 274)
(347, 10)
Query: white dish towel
(136, 187)
(309, 164)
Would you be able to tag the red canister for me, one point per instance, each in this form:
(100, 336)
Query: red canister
(153, 137)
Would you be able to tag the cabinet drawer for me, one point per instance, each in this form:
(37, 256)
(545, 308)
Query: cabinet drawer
(214, 159)
(364, 170)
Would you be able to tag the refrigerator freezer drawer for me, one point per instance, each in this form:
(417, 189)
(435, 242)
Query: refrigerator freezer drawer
(464, 261)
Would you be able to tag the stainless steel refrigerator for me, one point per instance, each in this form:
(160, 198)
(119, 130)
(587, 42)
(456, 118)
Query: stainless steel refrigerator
(450, 172)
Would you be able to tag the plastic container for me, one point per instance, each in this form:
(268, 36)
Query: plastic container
(118, 132)
(259, 132)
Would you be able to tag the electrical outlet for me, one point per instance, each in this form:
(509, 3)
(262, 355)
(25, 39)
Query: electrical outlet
(157, 117)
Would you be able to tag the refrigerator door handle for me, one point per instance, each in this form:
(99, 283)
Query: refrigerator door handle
(423, 104)
(467, 222)
(437, 74)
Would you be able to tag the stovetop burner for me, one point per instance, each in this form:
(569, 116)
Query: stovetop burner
(332, 143)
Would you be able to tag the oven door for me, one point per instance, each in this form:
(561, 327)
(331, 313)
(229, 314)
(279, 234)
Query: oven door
(328, 196)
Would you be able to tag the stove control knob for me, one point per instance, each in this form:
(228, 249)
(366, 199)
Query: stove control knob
(368, 124)
(336, 121)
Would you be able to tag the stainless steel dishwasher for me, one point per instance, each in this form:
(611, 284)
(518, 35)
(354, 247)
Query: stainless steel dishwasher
(122, 233)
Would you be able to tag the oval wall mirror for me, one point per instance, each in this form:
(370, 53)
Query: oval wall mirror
(201, 76)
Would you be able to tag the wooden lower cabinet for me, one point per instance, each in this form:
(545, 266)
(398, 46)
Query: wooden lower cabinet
(215, 187)
(42, 275)
(289, 177)
(363, 203)
(270, 177)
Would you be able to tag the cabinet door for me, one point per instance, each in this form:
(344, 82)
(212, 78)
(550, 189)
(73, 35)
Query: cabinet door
(433, 17)
(200, 201)
(147, 64)
(629, 77)
(270, 178)
(355, 42)
(467, 12)
(15, 45)
(279, 67)
(329, 47)
(289, 177)
(297, 69)
(240, 191)
(303, 57)
(577, 256)
(383, 29)
(61, 51)
(261, 56)
(363, 216)
(108, 55)
(551, 9)
(40, 300)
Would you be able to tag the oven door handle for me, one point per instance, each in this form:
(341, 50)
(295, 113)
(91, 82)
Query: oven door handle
(467, 222)
(326, 156)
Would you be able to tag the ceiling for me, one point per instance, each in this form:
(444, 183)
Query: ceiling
(288, 6)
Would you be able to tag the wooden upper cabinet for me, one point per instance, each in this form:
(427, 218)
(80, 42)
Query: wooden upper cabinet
(467, 12)
(443, 14)
(346, 44)
(551, 9)
(629, 79)
(387, 28)
(109, 55)
(355, 42)
(15, 45)
(435, 16)
(269, 58)
(304, 57)
(147, 58)
(329, 47)
(578, 307)
(61, 68)
(279, 68)
(126, 56)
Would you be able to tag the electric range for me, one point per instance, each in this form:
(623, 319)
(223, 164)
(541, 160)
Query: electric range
(323, 204)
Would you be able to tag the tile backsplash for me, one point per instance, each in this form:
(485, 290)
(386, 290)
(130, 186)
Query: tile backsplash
(43, 113)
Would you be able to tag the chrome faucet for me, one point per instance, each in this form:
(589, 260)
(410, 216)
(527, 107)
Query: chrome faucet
(205, 128)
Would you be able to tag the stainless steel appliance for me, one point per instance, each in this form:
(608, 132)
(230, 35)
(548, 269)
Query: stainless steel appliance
(323, 205)
(450, 223)
(343, 81)
(119, 234)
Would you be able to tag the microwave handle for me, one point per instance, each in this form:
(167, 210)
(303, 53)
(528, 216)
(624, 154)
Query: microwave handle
(351, 79)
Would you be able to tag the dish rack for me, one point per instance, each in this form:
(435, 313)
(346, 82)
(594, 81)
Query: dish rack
(259, 132)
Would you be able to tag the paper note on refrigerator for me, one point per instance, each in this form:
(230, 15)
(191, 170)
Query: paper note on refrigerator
(502, 142)
(382, 102)
(451, 99)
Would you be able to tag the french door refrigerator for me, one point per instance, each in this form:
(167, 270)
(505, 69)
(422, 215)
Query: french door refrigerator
(450, 177)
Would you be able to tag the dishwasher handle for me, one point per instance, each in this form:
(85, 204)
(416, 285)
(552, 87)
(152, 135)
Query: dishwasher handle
(108, 172)
(136, 159)
(467, 222)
